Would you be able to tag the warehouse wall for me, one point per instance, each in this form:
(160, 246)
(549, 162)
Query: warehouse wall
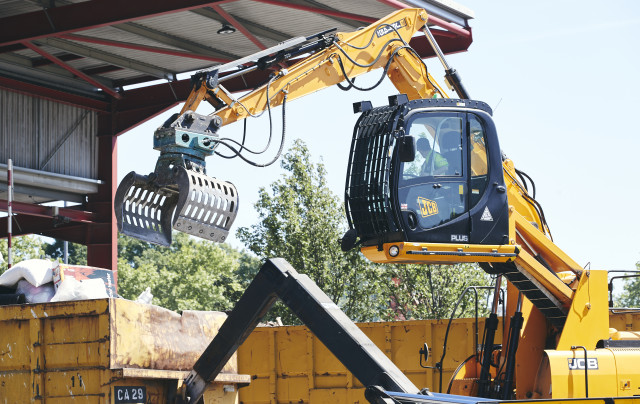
(48, 136)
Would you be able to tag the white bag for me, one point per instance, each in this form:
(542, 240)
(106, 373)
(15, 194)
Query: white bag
(36, 271)
(73, 289)
(35, 294)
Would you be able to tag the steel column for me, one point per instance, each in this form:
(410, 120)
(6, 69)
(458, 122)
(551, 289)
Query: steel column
(104, 253)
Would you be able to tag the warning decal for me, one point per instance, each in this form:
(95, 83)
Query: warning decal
(486, 215)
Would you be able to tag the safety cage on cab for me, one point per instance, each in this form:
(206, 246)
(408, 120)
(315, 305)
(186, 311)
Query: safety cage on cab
(427, 171)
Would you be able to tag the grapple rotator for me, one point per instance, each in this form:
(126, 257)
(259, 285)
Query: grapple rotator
(178, 194)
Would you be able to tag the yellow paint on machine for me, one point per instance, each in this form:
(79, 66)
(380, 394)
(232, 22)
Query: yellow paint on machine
(85, 351)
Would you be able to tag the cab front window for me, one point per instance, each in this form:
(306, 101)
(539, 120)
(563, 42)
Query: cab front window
(438, 147)
(433, 185)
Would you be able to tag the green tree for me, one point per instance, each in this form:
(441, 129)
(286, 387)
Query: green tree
(189, 275)
(77, 253)
(22, 248)
(431, 291)
(301, 221)
(631, 295)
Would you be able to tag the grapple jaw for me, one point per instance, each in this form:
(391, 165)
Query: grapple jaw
(144, 210)
(178, 194)
(194, 203)
(206, 207)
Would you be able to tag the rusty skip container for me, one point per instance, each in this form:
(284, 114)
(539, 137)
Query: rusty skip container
(105, 351)
(290, 365)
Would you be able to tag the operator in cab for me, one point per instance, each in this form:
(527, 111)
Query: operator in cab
(433, 161)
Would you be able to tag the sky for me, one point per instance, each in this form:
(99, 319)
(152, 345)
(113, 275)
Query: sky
(562, 79)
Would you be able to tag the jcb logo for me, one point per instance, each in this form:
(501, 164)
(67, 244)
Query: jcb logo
(427, 207)
(578, 363)
(380, 32)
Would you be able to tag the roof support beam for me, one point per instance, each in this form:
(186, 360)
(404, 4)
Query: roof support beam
(347, 21)
(256, 29)
(318, 10)
(144, 48)
(175, 41)
(109, 58)
(87, 15)
(29, 209)
(64, 97)
(239, 26)
(76, 72)
(81, 233)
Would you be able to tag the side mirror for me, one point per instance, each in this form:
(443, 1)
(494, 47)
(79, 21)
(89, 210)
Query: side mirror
(407, 149)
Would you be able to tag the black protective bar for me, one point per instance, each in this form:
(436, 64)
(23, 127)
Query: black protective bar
(278, 279)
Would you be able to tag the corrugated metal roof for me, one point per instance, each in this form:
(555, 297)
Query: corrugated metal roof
(120, 61)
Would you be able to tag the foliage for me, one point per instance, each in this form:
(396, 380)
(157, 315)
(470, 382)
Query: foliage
(189, 275)
(631, 295)
(431, 291)
(22, 248)
(301, 221)
(77, 253)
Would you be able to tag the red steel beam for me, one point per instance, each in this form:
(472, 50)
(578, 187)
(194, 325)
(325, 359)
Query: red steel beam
(103, 252)
(75, 215)
(88, 15)
(53, 95)
(66, 57)
(465, 33)
(81, 233)
(74, 71)
(238, 26)
(332, 13)
(144, 48)
(448, 43)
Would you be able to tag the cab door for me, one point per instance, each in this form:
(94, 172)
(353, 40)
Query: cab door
(433, 188)
(488, 205)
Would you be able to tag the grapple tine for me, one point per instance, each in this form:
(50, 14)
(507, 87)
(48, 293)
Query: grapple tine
(144, 210)
(206, 206)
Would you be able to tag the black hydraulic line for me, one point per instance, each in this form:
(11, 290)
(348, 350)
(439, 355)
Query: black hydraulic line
(586, 367)
(523, 175)
(282, 140)
(514, 337)
(490, 327)
(446, 334)
(277, 279)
